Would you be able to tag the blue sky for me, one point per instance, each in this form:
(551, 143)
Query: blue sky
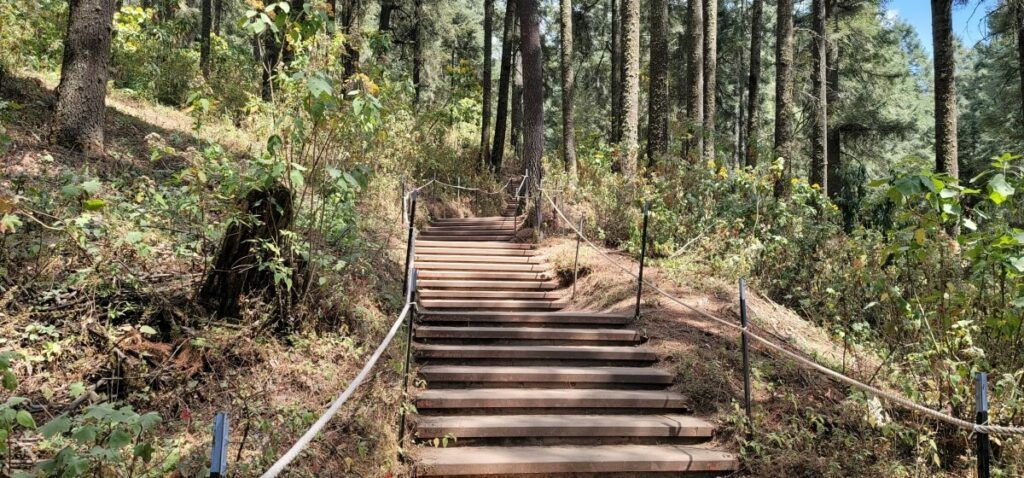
(968, 20)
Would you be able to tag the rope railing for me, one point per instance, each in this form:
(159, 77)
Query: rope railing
(889, 396)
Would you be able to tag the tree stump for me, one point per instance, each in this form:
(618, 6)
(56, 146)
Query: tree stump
(236, 271)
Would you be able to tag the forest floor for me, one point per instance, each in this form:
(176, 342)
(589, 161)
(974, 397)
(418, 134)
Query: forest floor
(274, 386)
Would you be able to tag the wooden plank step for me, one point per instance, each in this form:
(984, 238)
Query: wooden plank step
(456, 238)
(520, 398)
(546, 374)
(505, 225)
(484, 275)
(427, 233)
(472, 220)
(541, 352)
(489, 284)
(528, 333)
(588, 318)
(469, 251)
(472, 245)
(480, 266)
(493, 304)
(547, 426)
(548, 460)
(422, 257)
(488, 294)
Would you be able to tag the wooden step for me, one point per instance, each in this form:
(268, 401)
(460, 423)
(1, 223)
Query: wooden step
(547, 318)
(486, 226)
(481, 266)
(536, 352)
(473, 239)
(552, 460)
(488, 294)
(488, 284)
(529, 333)
(483, 275)
(547, 426)
(473, 220)
(471, 245)
(422, 257)
(545, 374)
(494, 304)
(469, 251)
(519, 398)
(428, 233)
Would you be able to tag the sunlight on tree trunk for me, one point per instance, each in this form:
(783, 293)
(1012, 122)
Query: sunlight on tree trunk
(568, 89)
(784, 96)
(630, 87)
(485, 128)
(694, 146)
(819, 123)
(659, 107)
(946, 160)
(710, 76)
(754, 81)
(504, 82)
(533, 90)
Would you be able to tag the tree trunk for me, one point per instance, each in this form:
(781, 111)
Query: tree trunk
(945, 88)
(694, 145)
(819, 124)
(568, 93)
(784, 95)
(387, 8)
(417, 54)
(710, 73)
(658, 109)
(206, 25)
(517, 103)
(485, 128)
(1019, 25)
(533, 90)
(754, 81)
(218, 15)
(236, 270)
(504, 81)
(631, 87)
(616, 73)
(81, 96)
(833, 147)
(349, 26)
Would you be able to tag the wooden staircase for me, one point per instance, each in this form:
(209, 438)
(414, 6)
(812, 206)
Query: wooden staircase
(527, 389)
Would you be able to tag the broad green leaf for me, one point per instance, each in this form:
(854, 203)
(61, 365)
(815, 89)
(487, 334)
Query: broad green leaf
(59, 425)
(76, 389)
(25, 419)
(998, 189)
(147, 330)
(85, 434)
(318, 86)
(91, 186)
(119, 439)
(93, 204)
(10, 381)
(144, 451)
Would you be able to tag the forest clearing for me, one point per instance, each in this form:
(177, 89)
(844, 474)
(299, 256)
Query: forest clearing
(591, 238)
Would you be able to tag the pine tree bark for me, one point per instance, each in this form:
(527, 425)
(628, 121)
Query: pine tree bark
(946, 159)
(485, 127)
(533, 90)
(754, 81)
(819, 124)
(694, 146)
(616, 72)
(81, 95)
(206, 25)
(710, 76)
(630, 87)
(784, 95)
(504, 82)
(568, 92)
(658, 109)
(834, 145)
(387, 7)
(517, 104)
(1018, 12)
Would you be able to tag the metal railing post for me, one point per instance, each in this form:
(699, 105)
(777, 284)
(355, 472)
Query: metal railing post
(643, 257)
(576, 262)
(401, 197)
(982, 419)
(410, 296)
(746, 356)
(219, 454)
(409, 241)
(540, 215)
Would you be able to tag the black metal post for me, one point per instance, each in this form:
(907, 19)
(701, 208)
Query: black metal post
(410, 297)
(983, 445)
(219, 454)
(576, 262)
(409, 241)
(540, 215)
(746, 356)
(643, 257)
